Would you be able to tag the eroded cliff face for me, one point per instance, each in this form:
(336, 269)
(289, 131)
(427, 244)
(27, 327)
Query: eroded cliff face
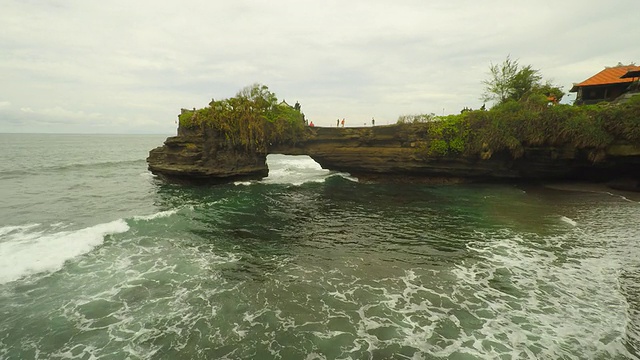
(205, 155)
(388, 152)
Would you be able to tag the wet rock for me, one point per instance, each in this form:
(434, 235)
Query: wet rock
(625, 184)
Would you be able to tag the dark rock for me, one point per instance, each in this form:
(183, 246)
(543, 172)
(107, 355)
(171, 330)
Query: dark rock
(205, 157)
(625, 184)
(396, 153)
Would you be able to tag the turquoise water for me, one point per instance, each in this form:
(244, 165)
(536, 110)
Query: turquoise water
(100, 260)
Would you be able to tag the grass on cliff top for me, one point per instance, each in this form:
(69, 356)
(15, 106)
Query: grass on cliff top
(519, 124)
(251, 119)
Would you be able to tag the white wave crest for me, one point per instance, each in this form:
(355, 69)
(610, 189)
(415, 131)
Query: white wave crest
(161, 214)
(294, 170)
(9, 229)
(244, 183)
(26, 252)
(568, 221)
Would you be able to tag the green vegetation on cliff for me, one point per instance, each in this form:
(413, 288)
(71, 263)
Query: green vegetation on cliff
(251, 119)
(526, 113)
(514, 125)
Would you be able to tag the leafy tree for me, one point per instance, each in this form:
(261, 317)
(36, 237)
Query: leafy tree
(510, 81)
(550, 91)
(259, 96)
(420, 118)
(498, 86)
(253, 118)
(524, 81)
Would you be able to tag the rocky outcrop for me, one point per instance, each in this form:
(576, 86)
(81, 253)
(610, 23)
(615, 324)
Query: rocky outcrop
(388, 152)
(205, 156)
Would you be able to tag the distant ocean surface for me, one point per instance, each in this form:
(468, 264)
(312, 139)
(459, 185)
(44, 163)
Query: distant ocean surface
(101, 260)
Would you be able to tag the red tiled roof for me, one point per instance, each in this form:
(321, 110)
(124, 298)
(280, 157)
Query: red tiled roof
(609, 76)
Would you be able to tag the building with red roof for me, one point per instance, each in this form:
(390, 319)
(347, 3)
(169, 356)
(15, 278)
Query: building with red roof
(607, 85)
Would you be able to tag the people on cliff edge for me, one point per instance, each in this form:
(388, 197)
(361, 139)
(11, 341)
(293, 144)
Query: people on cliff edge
(311, 124)
(342, 122)
(338, 123)
(373, 122)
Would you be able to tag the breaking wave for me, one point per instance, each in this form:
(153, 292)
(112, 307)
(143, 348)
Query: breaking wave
(31, 249)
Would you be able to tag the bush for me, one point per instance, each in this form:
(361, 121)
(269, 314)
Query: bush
(252, 119)
(448, 135)
(515, 125)
(414, 119)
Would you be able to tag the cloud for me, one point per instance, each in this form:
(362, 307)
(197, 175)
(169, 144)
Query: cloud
(62, 113)
(88, 64)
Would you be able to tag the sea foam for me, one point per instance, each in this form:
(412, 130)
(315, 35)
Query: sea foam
(295, 170)
(568, 220)
(161, 214)
(26, 251)
(12, 229)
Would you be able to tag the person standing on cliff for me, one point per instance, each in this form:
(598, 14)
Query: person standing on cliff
(311, 124)
(373, 122)
(342, 122)
(338, 123)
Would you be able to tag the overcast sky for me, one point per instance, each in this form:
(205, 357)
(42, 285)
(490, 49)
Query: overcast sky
(123, 66)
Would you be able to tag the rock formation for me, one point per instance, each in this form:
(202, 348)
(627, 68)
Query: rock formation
(395, 152)
(205, 156)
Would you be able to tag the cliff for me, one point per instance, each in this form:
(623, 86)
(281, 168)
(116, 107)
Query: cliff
(205, 156)
(396, 152)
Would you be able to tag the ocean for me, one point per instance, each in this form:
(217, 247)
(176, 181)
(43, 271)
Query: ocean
(101, 260)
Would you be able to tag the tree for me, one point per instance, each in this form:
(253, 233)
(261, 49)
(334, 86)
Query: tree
(509, 81)
(498, 87)
(551, 91)
(259, 96)
(525, 80)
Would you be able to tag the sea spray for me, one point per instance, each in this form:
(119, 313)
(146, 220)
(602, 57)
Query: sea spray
(29, 250)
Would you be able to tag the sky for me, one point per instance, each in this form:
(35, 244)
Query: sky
(122, 66)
